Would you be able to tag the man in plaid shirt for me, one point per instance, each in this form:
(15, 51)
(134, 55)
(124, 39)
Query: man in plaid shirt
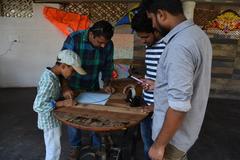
(95, 48)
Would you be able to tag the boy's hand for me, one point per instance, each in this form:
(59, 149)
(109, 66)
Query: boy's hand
(68, 93)
(66, 103)
(69, 103)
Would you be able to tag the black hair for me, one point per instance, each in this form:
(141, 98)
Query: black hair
(58, 63)
(141, 23)
(174, 7)
(102, 28)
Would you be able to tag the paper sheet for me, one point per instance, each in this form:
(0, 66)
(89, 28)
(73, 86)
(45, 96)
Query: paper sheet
(93, 98)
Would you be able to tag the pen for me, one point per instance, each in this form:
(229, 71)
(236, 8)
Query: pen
(135, 78)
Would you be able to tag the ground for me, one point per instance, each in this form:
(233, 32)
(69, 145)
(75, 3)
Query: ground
(21, 140)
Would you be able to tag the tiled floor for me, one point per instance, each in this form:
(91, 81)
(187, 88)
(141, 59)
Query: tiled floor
(21, 140)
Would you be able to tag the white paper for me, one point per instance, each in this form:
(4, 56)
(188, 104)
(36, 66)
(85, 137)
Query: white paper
(92, 98)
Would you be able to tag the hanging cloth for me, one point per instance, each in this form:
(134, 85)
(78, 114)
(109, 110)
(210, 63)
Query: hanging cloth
(66, 22)
(127, 18)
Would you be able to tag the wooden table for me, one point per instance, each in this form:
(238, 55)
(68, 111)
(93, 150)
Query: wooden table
(114, 116)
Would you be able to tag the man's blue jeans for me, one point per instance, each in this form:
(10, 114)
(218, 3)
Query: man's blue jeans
(146, 133)
(74, 136)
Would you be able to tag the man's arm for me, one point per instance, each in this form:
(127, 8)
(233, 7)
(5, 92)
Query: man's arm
(108, 66)
(172, 122)
(68, 43)
(107, 69)
(179, 69)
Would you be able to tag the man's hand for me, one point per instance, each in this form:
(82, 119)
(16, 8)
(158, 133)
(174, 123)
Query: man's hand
(68, 93)
(147, 84)
(173, 120)
(148, 108)
(109, 89)
(156, 152)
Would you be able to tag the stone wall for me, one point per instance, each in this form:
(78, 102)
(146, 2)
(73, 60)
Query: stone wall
(226, 68)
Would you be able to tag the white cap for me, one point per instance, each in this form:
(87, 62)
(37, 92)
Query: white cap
(71, 58)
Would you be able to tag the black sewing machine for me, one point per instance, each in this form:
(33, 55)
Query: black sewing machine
(132, 98)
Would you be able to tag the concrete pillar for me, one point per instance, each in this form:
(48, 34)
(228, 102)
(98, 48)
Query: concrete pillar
(188, 8)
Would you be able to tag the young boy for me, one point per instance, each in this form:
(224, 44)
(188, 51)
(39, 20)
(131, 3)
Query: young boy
(46, 100)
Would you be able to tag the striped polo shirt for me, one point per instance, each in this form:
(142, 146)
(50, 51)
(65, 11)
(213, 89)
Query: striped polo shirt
(152, 55)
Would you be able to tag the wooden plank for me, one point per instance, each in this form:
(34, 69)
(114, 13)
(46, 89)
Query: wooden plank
(115, 115)
(219, 63)
(118, 114)
(78, 1)
(100, 118)
(237, 62)
(112, 109)
(222, 70)
(93, 121)
(226, 84)
(224, 58)
(224, 50)
(224, 41)
(236, 74)
(134, 62)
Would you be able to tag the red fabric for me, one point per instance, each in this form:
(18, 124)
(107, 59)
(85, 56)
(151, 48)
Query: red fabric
(65, 21)
(114, 74)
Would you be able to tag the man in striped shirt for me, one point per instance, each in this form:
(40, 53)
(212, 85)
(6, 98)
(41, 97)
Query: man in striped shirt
(154, 48)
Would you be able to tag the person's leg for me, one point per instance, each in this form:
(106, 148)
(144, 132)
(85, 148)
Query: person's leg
(96, 140)
(146, 133)
(74, 137)
(172, 153)
(52, 143)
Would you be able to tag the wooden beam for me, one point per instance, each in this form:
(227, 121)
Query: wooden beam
(77, 1)
(72, 1)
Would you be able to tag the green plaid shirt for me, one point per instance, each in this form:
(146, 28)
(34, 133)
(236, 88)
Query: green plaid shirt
(48, 90)
(94, 60)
